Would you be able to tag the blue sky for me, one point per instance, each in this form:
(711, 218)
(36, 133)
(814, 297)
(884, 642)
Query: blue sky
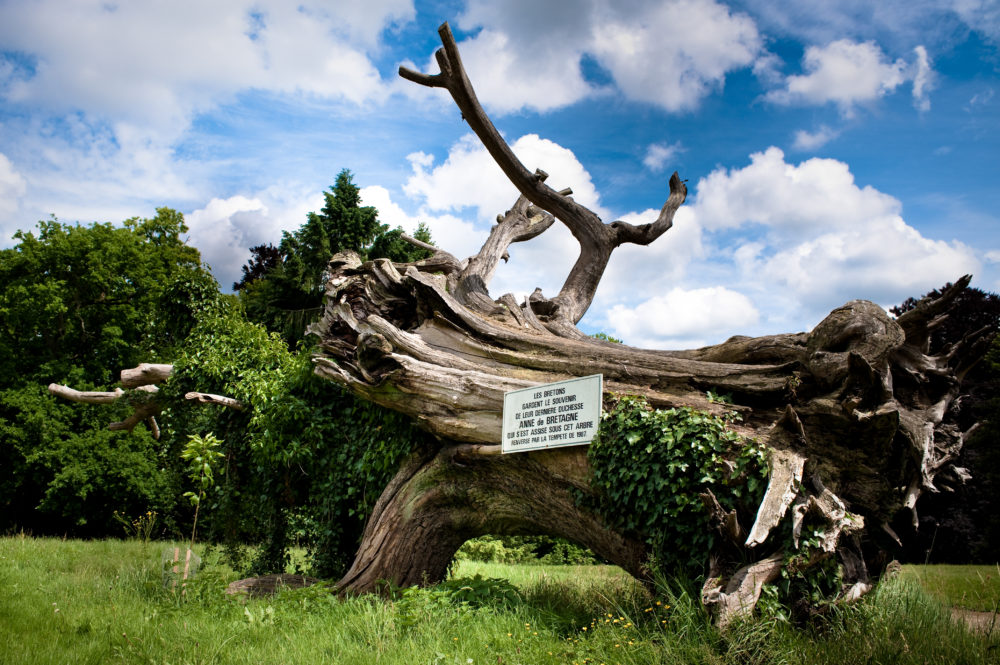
(832, 150)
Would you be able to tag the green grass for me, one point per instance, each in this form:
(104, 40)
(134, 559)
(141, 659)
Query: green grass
(104, 602)
(970, 587)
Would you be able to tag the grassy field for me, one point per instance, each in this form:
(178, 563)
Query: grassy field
(105, 602)
(970, 587)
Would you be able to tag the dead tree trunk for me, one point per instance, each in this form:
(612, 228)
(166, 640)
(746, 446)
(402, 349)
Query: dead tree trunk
(856, 414)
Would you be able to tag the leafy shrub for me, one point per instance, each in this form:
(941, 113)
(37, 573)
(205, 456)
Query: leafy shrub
(489, 549)
(649, 467)
(415, 604)
(524, 549)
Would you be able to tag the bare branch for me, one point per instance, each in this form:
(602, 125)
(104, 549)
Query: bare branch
(647, 233)
(86, 397)
(522, 222)
(454, 79)
(597, 240)
(146, 409)
(145, 374)
(208, 398)
(420, 243)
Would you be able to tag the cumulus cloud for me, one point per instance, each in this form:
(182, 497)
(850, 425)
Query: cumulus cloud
(845, 73)
(509, 79)
(822, 238)
(469, 178)
(453, 234)
(155, 64)
(899, 25)
(683, 319)
(797, 200)
(812, 140)
(225, 229)
(658, 155)
(670, 54)
(470, 183)
(675, 53)
(636, 272)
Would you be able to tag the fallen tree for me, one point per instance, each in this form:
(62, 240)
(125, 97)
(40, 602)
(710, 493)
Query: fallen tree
(847, 425)
(855, 416)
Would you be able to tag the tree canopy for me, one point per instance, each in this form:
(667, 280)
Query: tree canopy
(77, 304)
(282, 287)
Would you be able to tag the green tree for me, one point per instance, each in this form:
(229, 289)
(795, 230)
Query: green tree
(78, 304)
(96, 298)
(282, 287)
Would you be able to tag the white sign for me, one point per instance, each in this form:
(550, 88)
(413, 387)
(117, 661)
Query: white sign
(565, 413)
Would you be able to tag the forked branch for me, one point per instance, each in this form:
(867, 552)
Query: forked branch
(597, 239)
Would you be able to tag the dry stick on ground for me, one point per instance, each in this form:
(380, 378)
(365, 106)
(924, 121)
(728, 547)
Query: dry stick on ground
(857, 405)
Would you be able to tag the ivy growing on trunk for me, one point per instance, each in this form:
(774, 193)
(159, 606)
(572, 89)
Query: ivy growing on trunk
(651, 468)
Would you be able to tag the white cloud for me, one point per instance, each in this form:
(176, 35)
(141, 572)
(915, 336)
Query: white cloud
(225, 229)
(671, 54)
(896, 23)
(844, 73)
(508, 78)
(635, 272)
(12, 188)
(818, 194)
(993, 256)
(658, 155)
(682, 319)
(812, 140)
(459, 237)
(153, 65)
(79, 171)
(822, 239)
(469, 178)
(923, 80)
(675, 53)
(982, 16)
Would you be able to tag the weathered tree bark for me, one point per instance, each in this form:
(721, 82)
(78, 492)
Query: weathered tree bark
(856, 407)
(141, 380)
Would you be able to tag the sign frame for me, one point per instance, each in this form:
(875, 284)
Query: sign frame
(552, 415)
